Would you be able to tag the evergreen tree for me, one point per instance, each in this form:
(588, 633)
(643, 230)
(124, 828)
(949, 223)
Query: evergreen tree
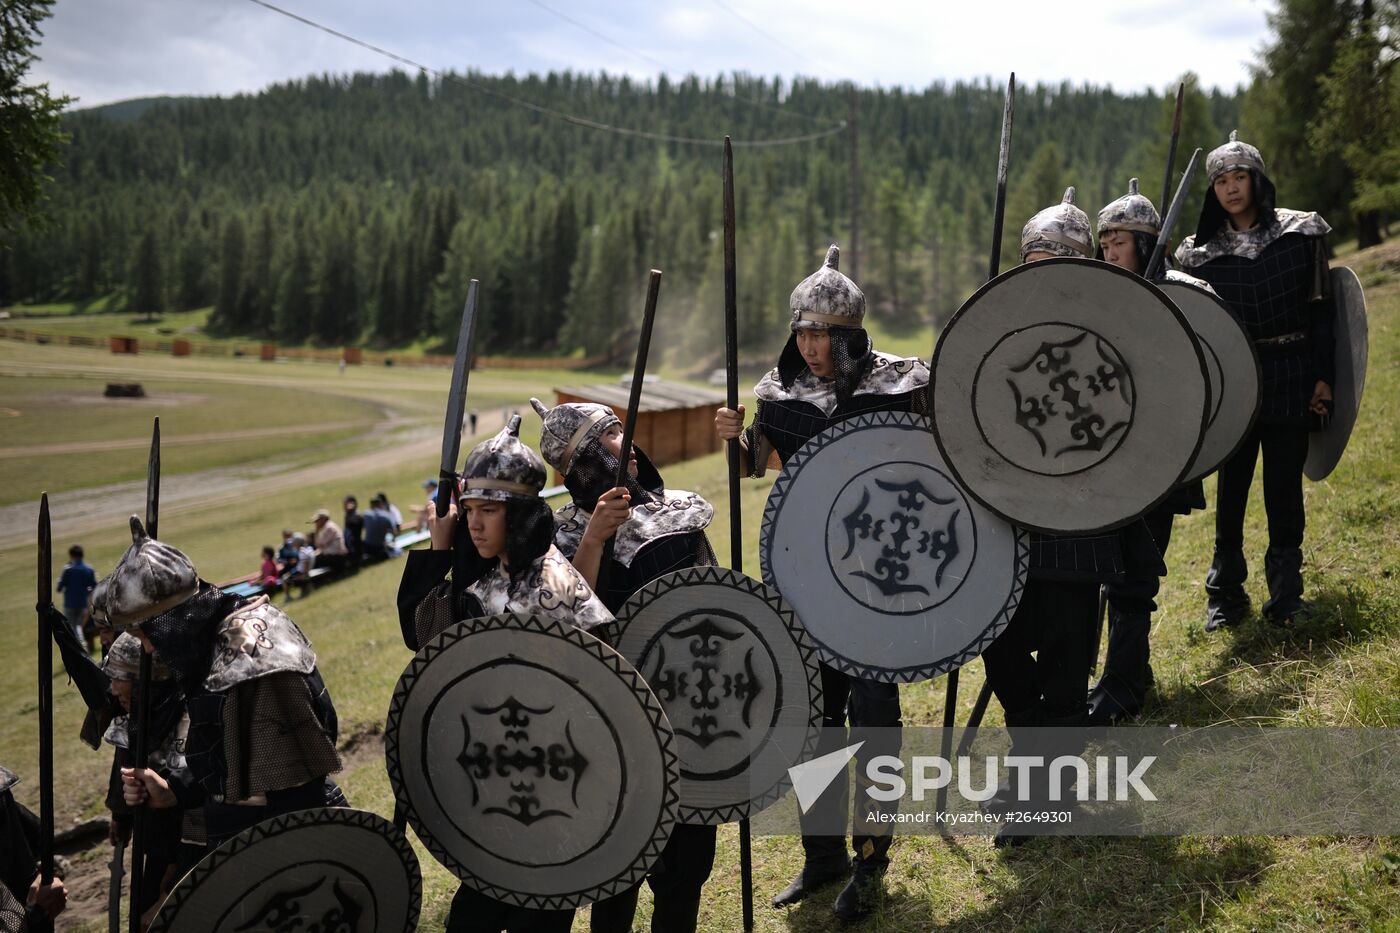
(295, 297)
(229, 299)
(144, 284)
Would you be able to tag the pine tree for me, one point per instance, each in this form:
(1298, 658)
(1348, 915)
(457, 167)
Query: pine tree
(144, 284)
(229, 298)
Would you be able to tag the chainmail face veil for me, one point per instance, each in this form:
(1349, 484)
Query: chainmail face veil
(851, 355)
(594, 472)
(184, 636)
(1214, 215)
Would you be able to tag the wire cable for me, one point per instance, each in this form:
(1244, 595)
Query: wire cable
(549, 111)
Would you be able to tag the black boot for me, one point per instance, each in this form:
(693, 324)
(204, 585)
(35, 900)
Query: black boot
(675, 915)
(860, 894)
(1283, 571)
(1121, 690)
(815, 873)
(1227, 603)
(1049, 745)
(1004, 798)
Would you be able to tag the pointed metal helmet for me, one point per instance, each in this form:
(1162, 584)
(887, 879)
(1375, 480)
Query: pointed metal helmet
(567, 427)
(150, 578)
(827, 298)
(1130, 212)
(1062, 230)
(123, 661)
(1233, 156)
(503, 468)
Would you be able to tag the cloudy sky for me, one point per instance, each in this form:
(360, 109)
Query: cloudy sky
(107, 50)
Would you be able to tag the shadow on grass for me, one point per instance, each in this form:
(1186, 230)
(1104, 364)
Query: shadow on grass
(1254, 677)
(1070, 884)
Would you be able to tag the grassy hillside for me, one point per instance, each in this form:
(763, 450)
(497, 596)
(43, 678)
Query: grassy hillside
(1341, 668)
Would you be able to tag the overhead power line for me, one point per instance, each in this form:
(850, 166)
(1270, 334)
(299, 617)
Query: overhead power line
(539, 108)
(751, 102)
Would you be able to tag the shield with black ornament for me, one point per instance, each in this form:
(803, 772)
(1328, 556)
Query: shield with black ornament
(1232, 366)
(1069, 396)
(322, 869)
(739, 680)
(1325, 447)
(532, 760)
(895, 572)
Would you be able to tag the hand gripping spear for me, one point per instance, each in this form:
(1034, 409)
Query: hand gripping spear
(456, 404)
(993, 270)
(140, 746)
(452, 437)
(634, 402)
(736, 533)
(44, 606)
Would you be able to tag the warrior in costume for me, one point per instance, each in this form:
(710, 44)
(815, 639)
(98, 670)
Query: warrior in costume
(1039, 664)
(1128, 229)
(828, 372)
(25, 902)
(656, 531)
(506, 562)
(163, 827)
(1270, 265)
(261, 735)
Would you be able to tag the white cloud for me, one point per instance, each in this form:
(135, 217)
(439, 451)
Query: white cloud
(105, 50)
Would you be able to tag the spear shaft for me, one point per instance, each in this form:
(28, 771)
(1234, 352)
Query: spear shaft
(736, 528)
(1171, 146)
(140, 746)
(634, 404)
(44, 608)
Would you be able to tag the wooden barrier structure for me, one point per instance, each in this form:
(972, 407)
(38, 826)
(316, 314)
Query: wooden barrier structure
(675, 422)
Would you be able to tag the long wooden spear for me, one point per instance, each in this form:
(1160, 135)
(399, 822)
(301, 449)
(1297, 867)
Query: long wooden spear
(44, 607)
(736, 514)
(1171, 147)
(141, 745)
(979, 708)
(634, 403)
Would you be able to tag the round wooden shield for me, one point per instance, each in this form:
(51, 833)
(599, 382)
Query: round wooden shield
(1325, 447)
(533, 761)
(896, 573)
(1233, 368)
(739, 680)
(1069, 395)
(324, 869)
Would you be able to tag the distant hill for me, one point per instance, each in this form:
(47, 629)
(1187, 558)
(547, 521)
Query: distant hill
(128, 110)
(354, 208)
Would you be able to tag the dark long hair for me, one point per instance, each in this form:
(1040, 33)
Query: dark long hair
(529, 533)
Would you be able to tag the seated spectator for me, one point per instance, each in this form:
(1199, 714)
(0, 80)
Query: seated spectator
(328, 541)
(269, 573)
(430, 486)
(301, 571)
(287, 554)
(392, 509)
(354, 529)
(379, 531)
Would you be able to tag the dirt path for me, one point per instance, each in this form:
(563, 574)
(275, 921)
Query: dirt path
(80, 511)
(179, 440)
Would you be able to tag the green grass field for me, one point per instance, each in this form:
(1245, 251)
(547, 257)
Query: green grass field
(1340, 668)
